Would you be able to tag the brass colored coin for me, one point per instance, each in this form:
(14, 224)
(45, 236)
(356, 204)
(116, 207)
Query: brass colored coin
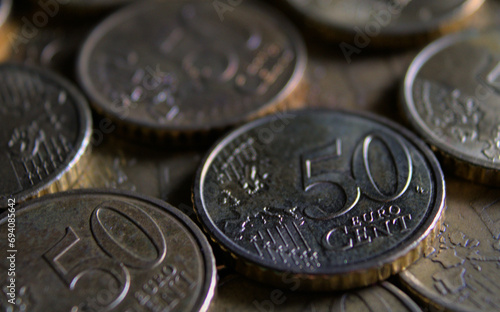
(451, 95)
(461, 271)
(97, 250)
(161, 174)
(334, 199)
(236, 293)
(45, 130)
(399, 22)
(194, 69)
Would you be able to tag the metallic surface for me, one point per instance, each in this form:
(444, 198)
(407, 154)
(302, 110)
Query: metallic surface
(236, 293)
(461, 271)
(45, 132)
(5, 8)
(162, 174)
(457, 111)
(102, 251)
(385, 18)
(336, 199)
(193, 69)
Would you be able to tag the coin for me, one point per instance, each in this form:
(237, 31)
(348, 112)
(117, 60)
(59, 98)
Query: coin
(107, 251)
(235, 293)
(399, 22)
(196, 69)
(335, 199)
(461, 271)
(161, 174)
(5, 8)
(45, 132)
(451, 93)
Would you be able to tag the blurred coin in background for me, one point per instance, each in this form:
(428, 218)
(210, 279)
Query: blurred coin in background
(384, 23)
(184, 67)
(236, 293)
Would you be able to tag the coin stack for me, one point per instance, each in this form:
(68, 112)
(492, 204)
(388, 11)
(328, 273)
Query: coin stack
(246, 155)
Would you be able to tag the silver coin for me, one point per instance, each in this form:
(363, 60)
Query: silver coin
(97, 250)
(451, 94)
(193, 69)
(336, 199)
(45, 131)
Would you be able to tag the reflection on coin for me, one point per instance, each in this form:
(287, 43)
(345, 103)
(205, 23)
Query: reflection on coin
(376, 20)
(100, 251)
(451, 96)
(5, 8)
(160, 174)
(461, 271)
(193, 69)
(45, 131)
(336, 199)
(235, 293)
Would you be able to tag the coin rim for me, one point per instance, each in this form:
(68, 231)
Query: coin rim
(365, 267)
(463, 11)
(210, 272)
(409, 106)
(81, 144)
(102, 30)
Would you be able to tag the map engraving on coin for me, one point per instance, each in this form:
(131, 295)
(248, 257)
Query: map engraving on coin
(335, 196)
(461, 271)
(192, 71)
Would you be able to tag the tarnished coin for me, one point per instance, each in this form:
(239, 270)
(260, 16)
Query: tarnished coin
(161, 174)
(105, 251)
(45, 130)
(196, 68)
(451, 95)
(403, 21)
(235, 293)
(335, 199)
(461, 271)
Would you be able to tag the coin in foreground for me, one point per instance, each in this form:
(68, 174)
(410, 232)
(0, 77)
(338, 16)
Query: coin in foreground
(107, 251)
(45, 131)
(461, 271)
(335, 199)
(451, 95)
(195, 70)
